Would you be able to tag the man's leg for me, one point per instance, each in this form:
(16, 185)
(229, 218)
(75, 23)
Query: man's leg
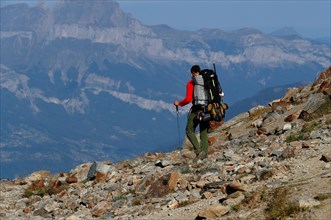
(191, 125)
(204, 137)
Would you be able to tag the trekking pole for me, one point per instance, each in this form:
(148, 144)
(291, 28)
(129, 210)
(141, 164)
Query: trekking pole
(178, 129)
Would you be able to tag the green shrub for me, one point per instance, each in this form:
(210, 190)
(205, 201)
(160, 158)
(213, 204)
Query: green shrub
(321, 197)
(121, 197)
(186, 169)
(279, 206)
(40, 191)
(295, 137)
(303, 134)
(310, 127)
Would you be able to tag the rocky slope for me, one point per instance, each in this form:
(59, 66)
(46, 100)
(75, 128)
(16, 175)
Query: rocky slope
(272, 162)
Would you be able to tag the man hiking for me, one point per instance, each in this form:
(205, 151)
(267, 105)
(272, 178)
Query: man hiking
(201, 149)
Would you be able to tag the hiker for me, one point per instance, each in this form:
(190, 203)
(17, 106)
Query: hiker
(201, 149)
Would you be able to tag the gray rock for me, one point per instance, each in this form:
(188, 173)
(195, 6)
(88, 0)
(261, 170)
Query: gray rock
(105, 168)
(235, 120)
(92, 171)
(326, 158)
(162, 163)
(270, 117)
(314, 102)
(287, 127)
(257, 123)
(306, 202)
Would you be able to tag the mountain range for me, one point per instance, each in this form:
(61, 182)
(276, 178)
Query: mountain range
(84, 81)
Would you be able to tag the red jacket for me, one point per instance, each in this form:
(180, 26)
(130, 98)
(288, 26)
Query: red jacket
(189, 94)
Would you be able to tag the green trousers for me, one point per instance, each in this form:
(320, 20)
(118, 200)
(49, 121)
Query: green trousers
(192, 123)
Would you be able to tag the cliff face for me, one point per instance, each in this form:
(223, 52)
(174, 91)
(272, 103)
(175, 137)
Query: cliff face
(104, 22)
(270, 162)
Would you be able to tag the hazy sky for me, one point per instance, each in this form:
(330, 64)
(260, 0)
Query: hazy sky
(310, 18)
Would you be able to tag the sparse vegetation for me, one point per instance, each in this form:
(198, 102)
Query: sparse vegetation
(324, 109)
(121, 197)
(328, 122)
(185, 169)
(294, 137)
(40, 189)
(309, 127)
(266, 174)
(259, 112)
(236, 208)
(182, 204)
(136, 201)
(324, 196)
(303, 134)
(279, 206)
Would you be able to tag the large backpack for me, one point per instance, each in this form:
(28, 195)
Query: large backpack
(208, 94)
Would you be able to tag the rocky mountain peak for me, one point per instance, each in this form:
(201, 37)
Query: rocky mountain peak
(67, 15)
(286, 31)
(21, 17)
(92, 13)
(272, 162)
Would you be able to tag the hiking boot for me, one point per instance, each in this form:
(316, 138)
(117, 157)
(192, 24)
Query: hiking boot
(201, 156)
(196, 159)
(197, 152)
